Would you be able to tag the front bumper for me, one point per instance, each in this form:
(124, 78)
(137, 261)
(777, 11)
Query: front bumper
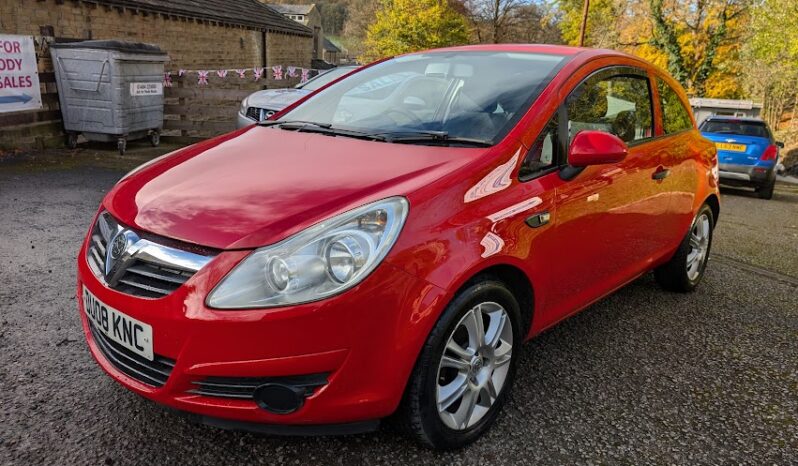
(746, 175)
(365, 340)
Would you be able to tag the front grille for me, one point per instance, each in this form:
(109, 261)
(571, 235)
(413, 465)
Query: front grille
(151, 280)
(154, 373)
(244, 387)
(258, 114)
(151, 270)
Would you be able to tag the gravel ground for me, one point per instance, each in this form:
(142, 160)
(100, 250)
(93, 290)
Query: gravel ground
(641, 377)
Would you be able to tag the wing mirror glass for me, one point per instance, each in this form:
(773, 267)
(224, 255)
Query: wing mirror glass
(596, 148)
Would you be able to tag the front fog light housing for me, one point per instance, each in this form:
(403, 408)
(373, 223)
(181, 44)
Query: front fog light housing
(323, 260)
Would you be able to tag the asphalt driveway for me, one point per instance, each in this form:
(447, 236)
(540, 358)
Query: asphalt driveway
(641, 377)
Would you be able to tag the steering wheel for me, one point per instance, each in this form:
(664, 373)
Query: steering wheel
(407, 115)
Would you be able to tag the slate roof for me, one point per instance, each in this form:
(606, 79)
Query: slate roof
(329, 46)
(293, 9)
(247, 13)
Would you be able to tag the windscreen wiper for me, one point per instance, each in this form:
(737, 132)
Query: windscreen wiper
(434, 137)
(293, 124)
(323, 128)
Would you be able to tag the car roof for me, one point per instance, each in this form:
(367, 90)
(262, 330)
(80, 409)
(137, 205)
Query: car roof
(576, 55)
(534, 48)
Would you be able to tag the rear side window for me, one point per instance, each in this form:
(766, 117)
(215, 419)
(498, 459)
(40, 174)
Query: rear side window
(675, 117)
(745, 128)
(615, 103)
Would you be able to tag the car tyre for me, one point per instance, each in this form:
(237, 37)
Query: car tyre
(686, 268)
(487, 383)
(766, 191)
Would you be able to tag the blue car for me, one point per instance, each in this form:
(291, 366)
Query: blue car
(747, 152)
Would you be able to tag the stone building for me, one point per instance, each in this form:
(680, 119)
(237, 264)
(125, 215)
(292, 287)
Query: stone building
(197, 34)
(307, 15)
(332, 53)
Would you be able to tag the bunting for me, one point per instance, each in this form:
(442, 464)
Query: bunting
(276, 72)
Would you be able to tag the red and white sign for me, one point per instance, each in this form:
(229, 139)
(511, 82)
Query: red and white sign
(19, 76)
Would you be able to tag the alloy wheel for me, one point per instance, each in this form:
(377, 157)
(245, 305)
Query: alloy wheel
(474, 365)
(699, 246)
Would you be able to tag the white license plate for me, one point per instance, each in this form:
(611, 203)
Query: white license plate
(133, 334)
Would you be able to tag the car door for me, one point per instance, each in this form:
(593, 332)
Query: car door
(677, 148)
(606, 214)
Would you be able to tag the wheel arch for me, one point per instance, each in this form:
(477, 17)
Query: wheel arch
(714, 203)
(516, 280)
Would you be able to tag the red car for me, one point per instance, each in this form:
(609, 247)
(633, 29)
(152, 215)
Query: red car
(384, 246)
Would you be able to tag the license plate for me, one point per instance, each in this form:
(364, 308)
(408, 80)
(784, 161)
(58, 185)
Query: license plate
(133, 334)
(731, 147)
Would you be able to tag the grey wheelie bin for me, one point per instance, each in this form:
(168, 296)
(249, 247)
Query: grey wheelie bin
(110, 90)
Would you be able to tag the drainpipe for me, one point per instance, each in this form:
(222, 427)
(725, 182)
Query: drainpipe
(263, 48)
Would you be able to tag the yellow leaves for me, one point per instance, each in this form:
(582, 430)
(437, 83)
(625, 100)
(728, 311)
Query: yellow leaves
(723, 86)
(404, 26)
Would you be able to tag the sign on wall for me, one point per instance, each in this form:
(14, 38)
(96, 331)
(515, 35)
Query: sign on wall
(19, 76)
(139, 89)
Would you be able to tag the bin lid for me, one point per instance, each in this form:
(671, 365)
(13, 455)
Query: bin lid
(115, 45)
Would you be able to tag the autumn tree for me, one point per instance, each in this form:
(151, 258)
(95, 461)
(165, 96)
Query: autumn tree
(692, 34)
(502, 21)
(360, 15)
(771, 60)
(697, 41)
(603, 29)
(492, 18)
(403, 26)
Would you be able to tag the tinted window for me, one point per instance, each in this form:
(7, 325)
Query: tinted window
(675, 117)
(617, 104)
(475, 95)
(746, 128)
(544, 152)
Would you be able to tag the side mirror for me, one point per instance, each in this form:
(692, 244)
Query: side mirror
(596, 148)
(780, 144)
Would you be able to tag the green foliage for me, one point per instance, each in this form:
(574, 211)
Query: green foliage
(698, 41)
(404, 26)
(771, 61)
(333, 17)
(601, 20)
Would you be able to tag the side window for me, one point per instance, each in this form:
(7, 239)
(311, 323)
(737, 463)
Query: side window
(619, 104)
(544, 152)
(675, 117)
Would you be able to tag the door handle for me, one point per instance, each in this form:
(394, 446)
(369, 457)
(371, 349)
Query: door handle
(537, 221)
(660, 174)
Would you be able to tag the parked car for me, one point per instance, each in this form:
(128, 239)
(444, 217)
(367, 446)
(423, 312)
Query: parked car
(330, 268)
(263, 104)
(748, 155)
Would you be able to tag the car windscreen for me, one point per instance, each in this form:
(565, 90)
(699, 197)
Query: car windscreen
(474, 95)
(325, 78)
(745, 128)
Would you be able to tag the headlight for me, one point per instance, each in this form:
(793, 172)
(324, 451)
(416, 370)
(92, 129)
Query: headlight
(244, 106)
(316, 263)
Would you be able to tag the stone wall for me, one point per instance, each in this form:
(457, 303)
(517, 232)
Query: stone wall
(191, 44)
